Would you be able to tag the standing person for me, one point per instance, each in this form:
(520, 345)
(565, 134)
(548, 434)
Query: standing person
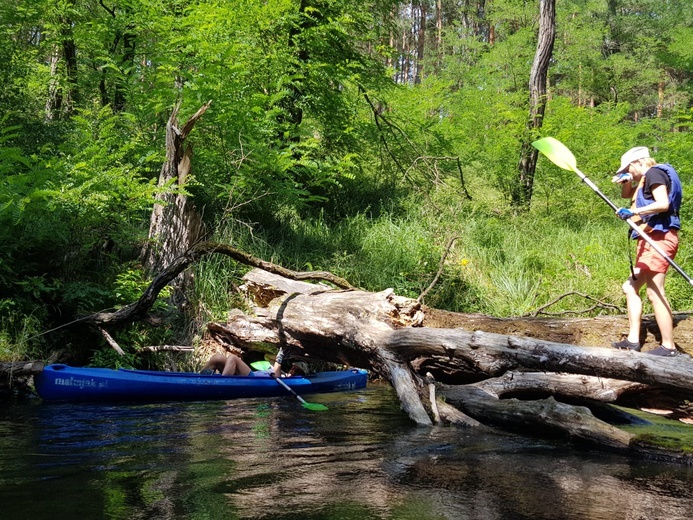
(656, 192)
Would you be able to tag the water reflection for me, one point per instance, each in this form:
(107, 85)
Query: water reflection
(362, 459)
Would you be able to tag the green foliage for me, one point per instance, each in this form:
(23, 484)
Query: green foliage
(109, 358)
(18, 334)
(80, 204)
(312, 156)
(131, 283)
(68, 212)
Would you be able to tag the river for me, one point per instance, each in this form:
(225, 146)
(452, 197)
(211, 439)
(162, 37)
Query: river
(362, 459)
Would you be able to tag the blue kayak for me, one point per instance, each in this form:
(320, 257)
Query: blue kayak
(65, 383)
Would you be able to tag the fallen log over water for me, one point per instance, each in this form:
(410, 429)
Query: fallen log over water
(15, 376)
(517, 382)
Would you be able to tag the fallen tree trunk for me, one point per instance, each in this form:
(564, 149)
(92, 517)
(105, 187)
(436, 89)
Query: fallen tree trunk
(16, 375)
(547, 414)
(596, 331)
(483, 373)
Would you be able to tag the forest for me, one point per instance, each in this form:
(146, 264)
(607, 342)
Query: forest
(382, 141)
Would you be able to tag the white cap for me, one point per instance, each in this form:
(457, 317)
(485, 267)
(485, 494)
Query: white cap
(632, 155)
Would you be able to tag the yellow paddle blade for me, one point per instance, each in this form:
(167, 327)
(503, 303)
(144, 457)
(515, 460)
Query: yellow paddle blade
(557, 153)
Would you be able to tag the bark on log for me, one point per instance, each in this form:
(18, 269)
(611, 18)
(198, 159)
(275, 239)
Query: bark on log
(20, 368)
(15, 375)
(492, 355)
(593, 332)
(576, 421)
(542, 383)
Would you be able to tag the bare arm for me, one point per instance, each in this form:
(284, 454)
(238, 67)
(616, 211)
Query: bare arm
(628, 190)
(277, 369)
(660, 204)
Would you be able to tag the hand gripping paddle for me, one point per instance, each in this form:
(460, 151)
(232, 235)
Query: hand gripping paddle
(561, 156)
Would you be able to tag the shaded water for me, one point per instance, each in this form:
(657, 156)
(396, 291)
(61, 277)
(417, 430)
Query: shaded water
(362, 459)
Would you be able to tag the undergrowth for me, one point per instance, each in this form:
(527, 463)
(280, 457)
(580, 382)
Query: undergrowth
(497, 262)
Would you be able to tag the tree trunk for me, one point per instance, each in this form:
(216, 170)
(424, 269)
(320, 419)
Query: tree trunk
(537, 101)
(70, 55)
(420, 42)
(61, 101)
(126, 64)
(175, 224)
(55, 93)
(440, 52)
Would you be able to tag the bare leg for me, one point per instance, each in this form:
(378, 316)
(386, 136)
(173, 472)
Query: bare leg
(661, 307)
(230, 365)
(235, 366)
(632, 291)
(216, 362)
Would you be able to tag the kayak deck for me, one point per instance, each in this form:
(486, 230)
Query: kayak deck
(79, 384)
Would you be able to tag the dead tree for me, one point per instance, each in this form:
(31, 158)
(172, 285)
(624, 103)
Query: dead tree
(175, 223)
(537, 101)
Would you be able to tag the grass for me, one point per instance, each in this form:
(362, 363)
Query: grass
(502, 263)
(17, 335)
(664, 433)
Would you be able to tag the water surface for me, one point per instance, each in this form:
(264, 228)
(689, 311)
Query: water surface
(362, 459)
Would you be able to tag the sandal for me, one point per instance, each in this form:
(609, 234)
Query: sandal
(663, 351)
(625, 344)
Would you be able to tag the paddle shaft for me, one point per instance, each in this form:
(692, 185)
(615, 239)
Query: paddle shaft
(595, 189)
(635, 227)
(278, 379)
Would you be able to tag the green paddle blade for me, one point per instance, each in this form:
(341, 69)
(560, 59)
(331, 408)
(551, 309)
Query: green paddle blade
(310, 406)
(557, 153)
(261, 365)
(315, 407)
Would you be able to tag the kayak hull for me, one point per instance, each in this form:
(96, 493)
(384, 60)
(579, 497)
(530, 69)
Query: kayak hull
(76, 384)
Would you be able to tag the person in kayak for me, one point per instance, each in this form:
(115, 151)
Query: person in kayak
(233, 365)
(656, 192)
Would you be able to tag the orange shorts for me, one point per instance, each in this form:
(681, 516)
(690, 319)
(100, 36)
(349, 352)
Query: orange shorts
(650, 260)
